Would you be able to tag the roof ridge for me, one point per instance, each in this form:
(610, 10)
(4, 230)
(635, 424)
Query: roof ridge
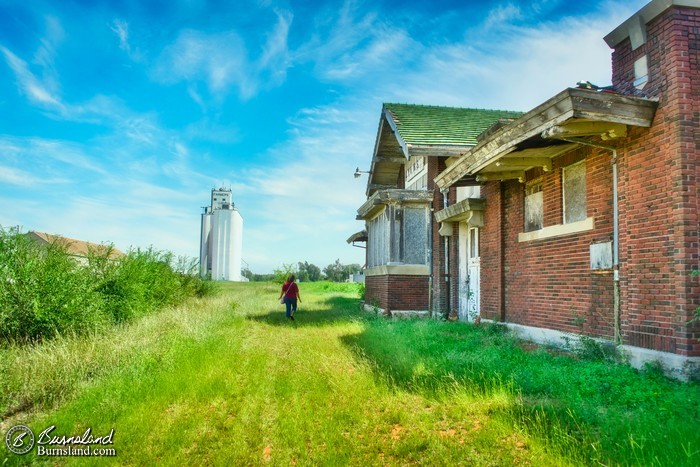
(385, 104)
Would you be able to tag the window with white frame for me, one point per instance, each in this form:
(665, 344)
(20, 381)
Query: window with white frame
(534, 206)
(574, 192)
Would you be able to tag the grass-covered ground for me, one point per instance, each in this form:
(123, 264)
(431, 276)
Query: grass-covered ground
(229, 380)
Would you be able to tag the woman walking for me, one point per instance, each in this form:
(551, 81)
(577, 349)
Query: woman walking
(290, 292)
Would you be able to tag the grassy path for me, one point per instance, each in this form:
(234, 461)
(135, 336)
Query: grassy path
(237, 384)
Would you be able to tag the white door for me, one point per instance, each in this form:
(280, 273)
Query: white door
(463, 272)
(473, 273)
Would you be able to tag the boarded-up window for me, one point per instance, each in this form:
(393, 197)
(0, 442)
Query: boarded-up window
(415, 235)
(534, 207)
(574, 181)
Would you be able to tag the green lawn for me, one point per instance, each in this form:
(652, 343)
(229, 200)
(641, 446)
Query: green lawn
(230, 381)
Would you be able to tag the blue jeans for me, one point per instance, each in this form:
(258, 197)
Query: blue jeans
(291, 304)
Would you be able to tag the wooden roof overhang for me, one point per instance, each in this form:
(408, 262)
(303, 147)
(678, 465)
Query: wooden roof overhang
(547, 131)
(360, 236)
(381, 198)
(392, 151)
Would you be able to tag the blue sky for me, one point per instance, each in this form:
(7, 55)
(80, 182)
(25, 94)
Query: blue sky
(118, 117)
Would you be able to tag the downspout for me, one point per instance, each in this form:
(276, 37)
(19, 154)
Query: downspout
(447, 262)
(616, 234)
(616, 252)
(430, 262)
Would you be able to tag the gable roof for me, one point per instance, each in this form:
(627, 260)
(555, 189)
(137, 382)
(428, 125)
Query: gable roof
(430, 125)
(73, 247)
(407, 130)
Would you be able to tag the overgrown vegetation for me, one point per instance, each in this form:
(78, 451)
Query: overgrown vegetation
(228, 380)
(45, 292)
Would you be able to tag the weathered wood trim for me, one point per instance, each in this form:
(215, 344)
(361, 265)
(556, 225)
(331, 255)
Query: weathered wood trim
(389, 160)
(377, 202)
(505, 175)
(390, 120)
(590, 106)
(460, 211)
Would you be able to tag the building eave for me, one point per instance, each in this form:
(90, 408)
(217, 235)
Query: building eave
(540, 135)
(381, 198)
(360, 236)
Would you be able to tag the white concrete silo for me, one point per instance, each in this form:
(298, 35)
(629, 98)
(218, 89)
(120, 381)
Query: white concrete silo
(205, 240)
(222, 238)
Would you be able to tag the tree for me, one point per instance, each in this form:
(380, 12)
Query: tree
(335, 272)
(351, 269)
(283, 273)
(307, 272)
(248, 274)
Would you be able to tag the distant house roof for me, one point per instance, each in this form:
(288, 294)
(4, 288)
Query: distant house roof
(407, 130)
(73, 247)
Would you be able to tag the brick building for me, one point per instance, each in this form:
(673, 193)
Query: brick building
(407, 268)
(587, 220)
(578, 217)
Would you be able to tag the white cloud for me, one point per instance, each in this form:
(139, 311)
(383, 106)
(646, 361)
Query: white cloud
(502, 14)
(37, 91)
(22, 178)
(306, 194)
(121, 29)
(221, 60)
(508, 66)
(353, 44)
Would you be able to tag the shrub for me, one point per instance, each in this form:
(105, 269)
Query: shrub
(44, 291)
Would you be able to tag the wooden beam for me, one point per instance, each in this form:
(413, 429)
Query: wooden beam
(524, 163)
(485, 177)
(607, 130)
(376, 186)
(389, 160)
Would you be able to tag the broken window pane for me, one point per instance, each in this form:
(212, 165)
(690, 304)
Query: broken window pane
(378, 240)
(534, 207)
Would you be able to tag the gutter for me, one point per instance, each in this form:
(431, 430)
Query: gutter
(448, 284)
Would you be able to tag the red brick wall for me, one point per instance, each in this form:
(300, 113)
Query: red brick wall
(397, 292)
(491, 243)
(659, 178)
(548, 283)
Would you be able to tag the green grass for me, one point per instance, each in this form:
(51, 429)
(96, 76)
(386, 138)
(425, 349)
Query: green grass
(229, 381)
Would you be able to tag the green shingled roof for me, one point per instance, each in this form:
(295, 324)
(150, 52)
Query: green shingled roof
(428, 125)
